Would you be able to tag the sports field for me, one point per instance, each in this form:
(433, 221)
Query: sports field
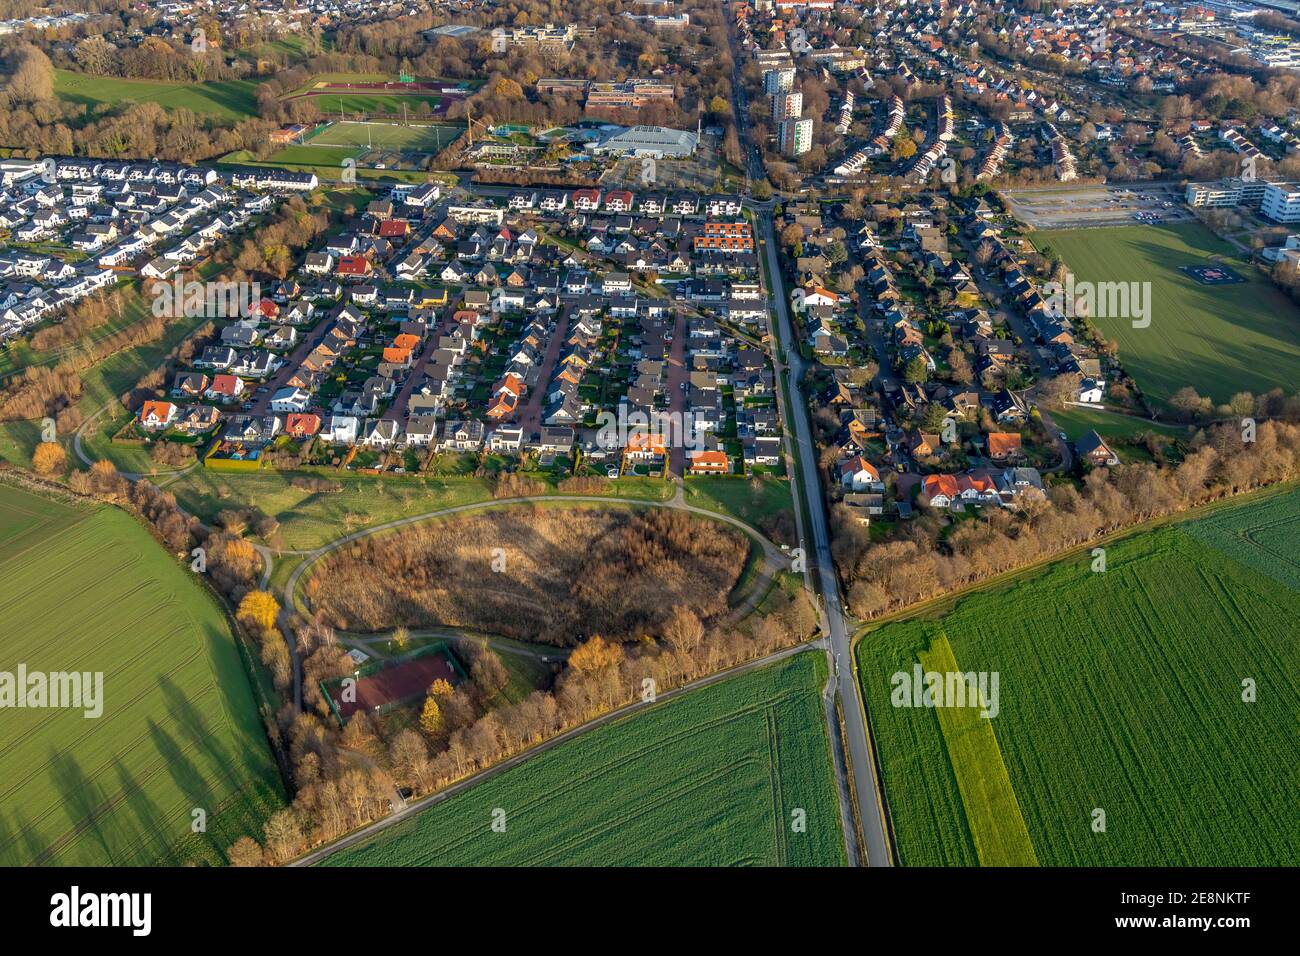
(332, 100)
(389, 146)
(232, 99)
(1119, 691)
(711, 778)
(315, 155)
(87, 589)
(426, 139)
(1218, 339)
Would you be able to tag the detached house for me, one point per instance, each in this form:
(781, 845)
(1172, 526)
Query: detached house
(858, 474)
(155, 416)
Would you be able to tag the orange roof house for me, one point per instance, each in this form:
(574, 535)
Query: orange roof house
(816, 294)
(725, 237)
(511, 383)
(978, 485)
(644, 445)
(407, 341)
(503, 405)
(853, 469)
(939, 490)
(322, 357)
(157, 414)
(1003, 445)
(709, 463)
(397, 356)
(301, 424)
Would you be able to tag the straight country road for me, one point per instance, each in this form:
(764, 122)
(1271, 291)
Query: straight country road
(870, 798)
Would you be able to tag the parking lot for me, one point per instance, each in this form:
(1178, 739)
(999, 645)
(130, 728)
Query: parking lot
(1078, 207)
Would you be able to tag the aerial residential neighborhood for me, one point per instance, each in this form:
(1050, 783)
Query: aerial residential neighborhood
(662, 433)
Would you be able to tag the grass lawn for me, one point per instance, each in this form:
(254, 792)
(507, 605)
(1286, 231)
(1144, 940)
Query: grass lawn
(752, 501)
(711, 778)
(315, 155)
(310, 519)
(329, 172)
(1120, 691)
(1122, 432)
(21, 355)
(87, 588)
(103, 383)
(1077, 422)
(230, 99)
(1218, 339)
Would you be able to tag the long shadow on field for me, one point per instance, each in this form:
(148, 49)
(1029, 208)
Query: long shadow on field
(187, 776)
(19, 844)
(149, 818)
(194, 729)
(84, 799)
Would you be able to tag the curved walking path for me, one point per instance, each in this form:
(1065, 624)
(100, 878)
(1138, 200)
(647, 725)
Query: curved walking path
(772, 553)
(774, 557)
(371, 643)
(128, 475)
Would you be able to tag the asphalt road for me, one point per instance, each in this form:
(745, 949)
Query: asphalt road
(1020, 326)
(861, 759)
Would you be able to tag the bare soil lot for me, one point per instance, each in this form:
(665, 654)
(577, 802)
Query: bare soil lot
(541, 574)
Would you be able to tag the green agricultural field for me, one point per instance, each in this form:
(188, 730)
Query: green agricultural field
(87, 589)
(1218, 339)
(711, 778)
(230, 99)
(997, 827)
(1120, 691)
(1266, 537)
